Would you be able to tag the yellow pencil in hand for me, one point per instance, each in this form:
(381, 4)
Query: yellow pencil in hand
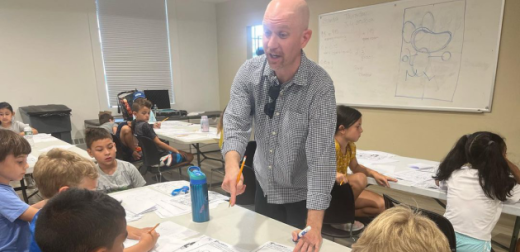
(240, 172)
(165, 119)
(153, 228)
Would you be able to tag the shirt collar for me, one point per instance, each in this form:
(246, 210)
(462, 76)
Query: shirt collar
(300, 78)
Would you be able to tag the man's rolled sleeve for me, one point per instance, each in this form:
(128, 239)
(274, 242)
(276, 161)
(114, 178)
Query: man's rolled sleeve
(320, 151)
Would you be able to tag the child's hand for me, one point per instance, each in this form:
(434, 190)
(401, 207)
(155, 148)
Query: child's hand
(157, 125)
(136, 233)
(148, 240)
(341, 178)
(136, 155)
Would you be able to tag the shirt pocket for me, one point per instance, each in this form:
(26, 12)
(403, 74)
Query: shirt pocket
(293, 134)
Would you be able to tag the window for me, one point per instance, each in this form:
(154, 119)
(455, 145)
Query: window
(135, 46)
(255, 34)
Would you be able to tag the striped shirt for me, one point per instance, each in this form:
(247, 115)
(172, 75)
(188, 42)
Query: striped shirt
(295, 157)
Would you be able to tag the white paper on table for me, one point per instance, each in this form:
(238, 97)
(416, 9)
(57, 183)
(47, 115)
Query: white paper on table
(142, 195)
(414, 176)
(195, 113)
(374, 156)
(422, 166)
(65, 147)
(138, 206)
(41, 137)
(214, 198)
(387, 170)
(168, 187)
(273, 247)
(428, 184)
(172, 236)
(207, 244)
(170, 209)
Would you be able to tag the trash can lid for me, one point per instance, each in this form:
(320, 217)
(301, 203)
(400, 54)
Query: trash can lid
(45, 109)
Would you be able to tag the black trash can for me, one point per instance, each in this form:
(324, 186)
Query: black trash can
(53, 119)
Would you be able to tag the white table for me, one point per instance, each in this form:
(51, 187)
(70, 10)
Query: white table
(405, 186)
(236, 226)
(40, 144)
(190, 134)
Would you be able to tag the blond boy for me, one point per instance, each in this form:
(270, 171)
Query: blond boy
(59, 170)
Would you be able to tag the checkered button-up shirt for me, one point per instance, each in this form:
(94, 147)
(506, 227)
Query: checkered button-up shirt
(295, 157)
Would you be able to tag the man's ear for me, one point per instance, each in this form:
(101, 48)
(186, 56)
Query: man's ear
(306, 36)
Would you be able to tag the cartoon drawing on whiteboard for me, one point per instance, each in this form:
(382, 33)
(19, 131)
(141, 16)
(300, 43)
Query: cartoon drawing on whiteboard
(432, 43)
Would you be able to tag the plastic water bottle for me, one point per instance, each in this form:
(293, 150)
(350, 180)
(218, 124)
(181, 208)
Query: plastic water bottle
(199, 195)
(204, 124)
(153, 114)
(28, 134)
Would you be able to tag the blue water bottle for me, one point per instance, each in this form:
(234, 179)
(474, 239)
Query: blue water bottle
(199, 195)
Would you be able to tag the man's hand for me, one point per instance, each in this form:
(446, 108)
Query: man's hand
(229, 184)
(310, 242)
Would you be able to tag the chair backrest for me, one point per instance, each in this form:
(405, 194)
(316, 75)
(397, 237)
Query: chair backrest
(119, 147)
(250, 153)
(342, 208)
(150, 152)
(442, 223)
(390, 202)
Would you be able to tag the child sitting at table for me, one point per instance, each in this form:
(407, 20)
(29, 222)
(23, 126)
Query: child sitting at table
(478, 176)
(15, 214)
(107, 122)
(115, 175)
(7, 120)
(141, 127)
(348, 131)
(83, 220)
(60, 170)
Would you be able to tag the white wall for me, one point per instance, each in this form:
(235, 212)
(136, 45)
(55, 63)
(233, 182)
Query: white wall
(46, 56)
(51, 55)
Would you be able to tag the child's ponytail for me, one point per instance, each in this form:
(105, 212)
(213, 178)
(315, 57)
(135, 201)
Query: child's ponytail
(455, 159)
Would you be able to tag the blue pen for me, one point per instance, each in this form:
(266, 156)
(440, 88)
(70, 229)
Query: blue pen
(303, 232)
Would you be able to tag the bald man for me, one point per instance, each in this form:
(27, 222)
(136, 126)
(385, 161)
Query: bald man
(291, 101)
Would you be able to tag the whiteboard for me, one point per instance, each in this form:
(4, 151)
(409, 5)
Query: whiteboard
(414, 54)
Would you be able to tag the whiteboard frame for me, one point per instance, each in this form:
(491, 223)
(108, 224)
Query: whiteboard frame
(429, 108)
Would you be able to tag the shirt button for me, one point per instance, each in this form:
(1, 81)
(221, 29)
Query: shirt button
(281, 92)
(277, 113)
(274, 133)
(270, 167)
(271, 151)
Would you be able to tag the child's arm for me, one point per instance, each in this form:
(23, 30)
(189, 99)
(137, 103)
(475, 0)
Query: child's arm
(380, 178)
(40, 204)
(28, 215)
(164, 146)
(147, 242)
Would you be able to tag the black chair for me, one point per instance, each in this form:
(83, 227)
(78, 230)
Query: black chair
(442, 223)
(119, 147)
(342, 210)
(151, 159)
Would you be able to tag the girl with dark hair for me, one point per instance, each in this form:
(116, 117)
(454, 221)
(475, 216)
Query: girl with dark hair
(348, 131)
(478, 176)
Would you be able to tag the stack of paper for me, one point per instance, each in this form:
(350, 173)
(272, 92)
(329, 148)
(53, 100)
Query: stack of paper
(41, 137)
(172, 236)
(273, 247)
(206, 244)
(424, 167)
(368, 158)
(138, 202)
(168, 187)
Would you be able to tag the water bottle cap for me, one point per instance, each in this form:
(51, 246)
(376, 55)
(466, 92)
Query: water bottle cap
(27, 128)
(197, 177)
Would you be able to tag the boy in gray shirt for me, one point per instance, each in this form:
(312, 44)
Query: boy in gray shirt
(114, 175)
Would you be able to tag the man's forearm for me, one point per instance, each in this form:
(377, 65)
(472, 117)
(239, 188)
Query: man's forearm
(315, 218)
(232, 158)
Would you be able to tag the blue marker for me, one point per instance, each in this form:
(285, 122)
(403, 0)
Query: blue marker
(303, 232)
